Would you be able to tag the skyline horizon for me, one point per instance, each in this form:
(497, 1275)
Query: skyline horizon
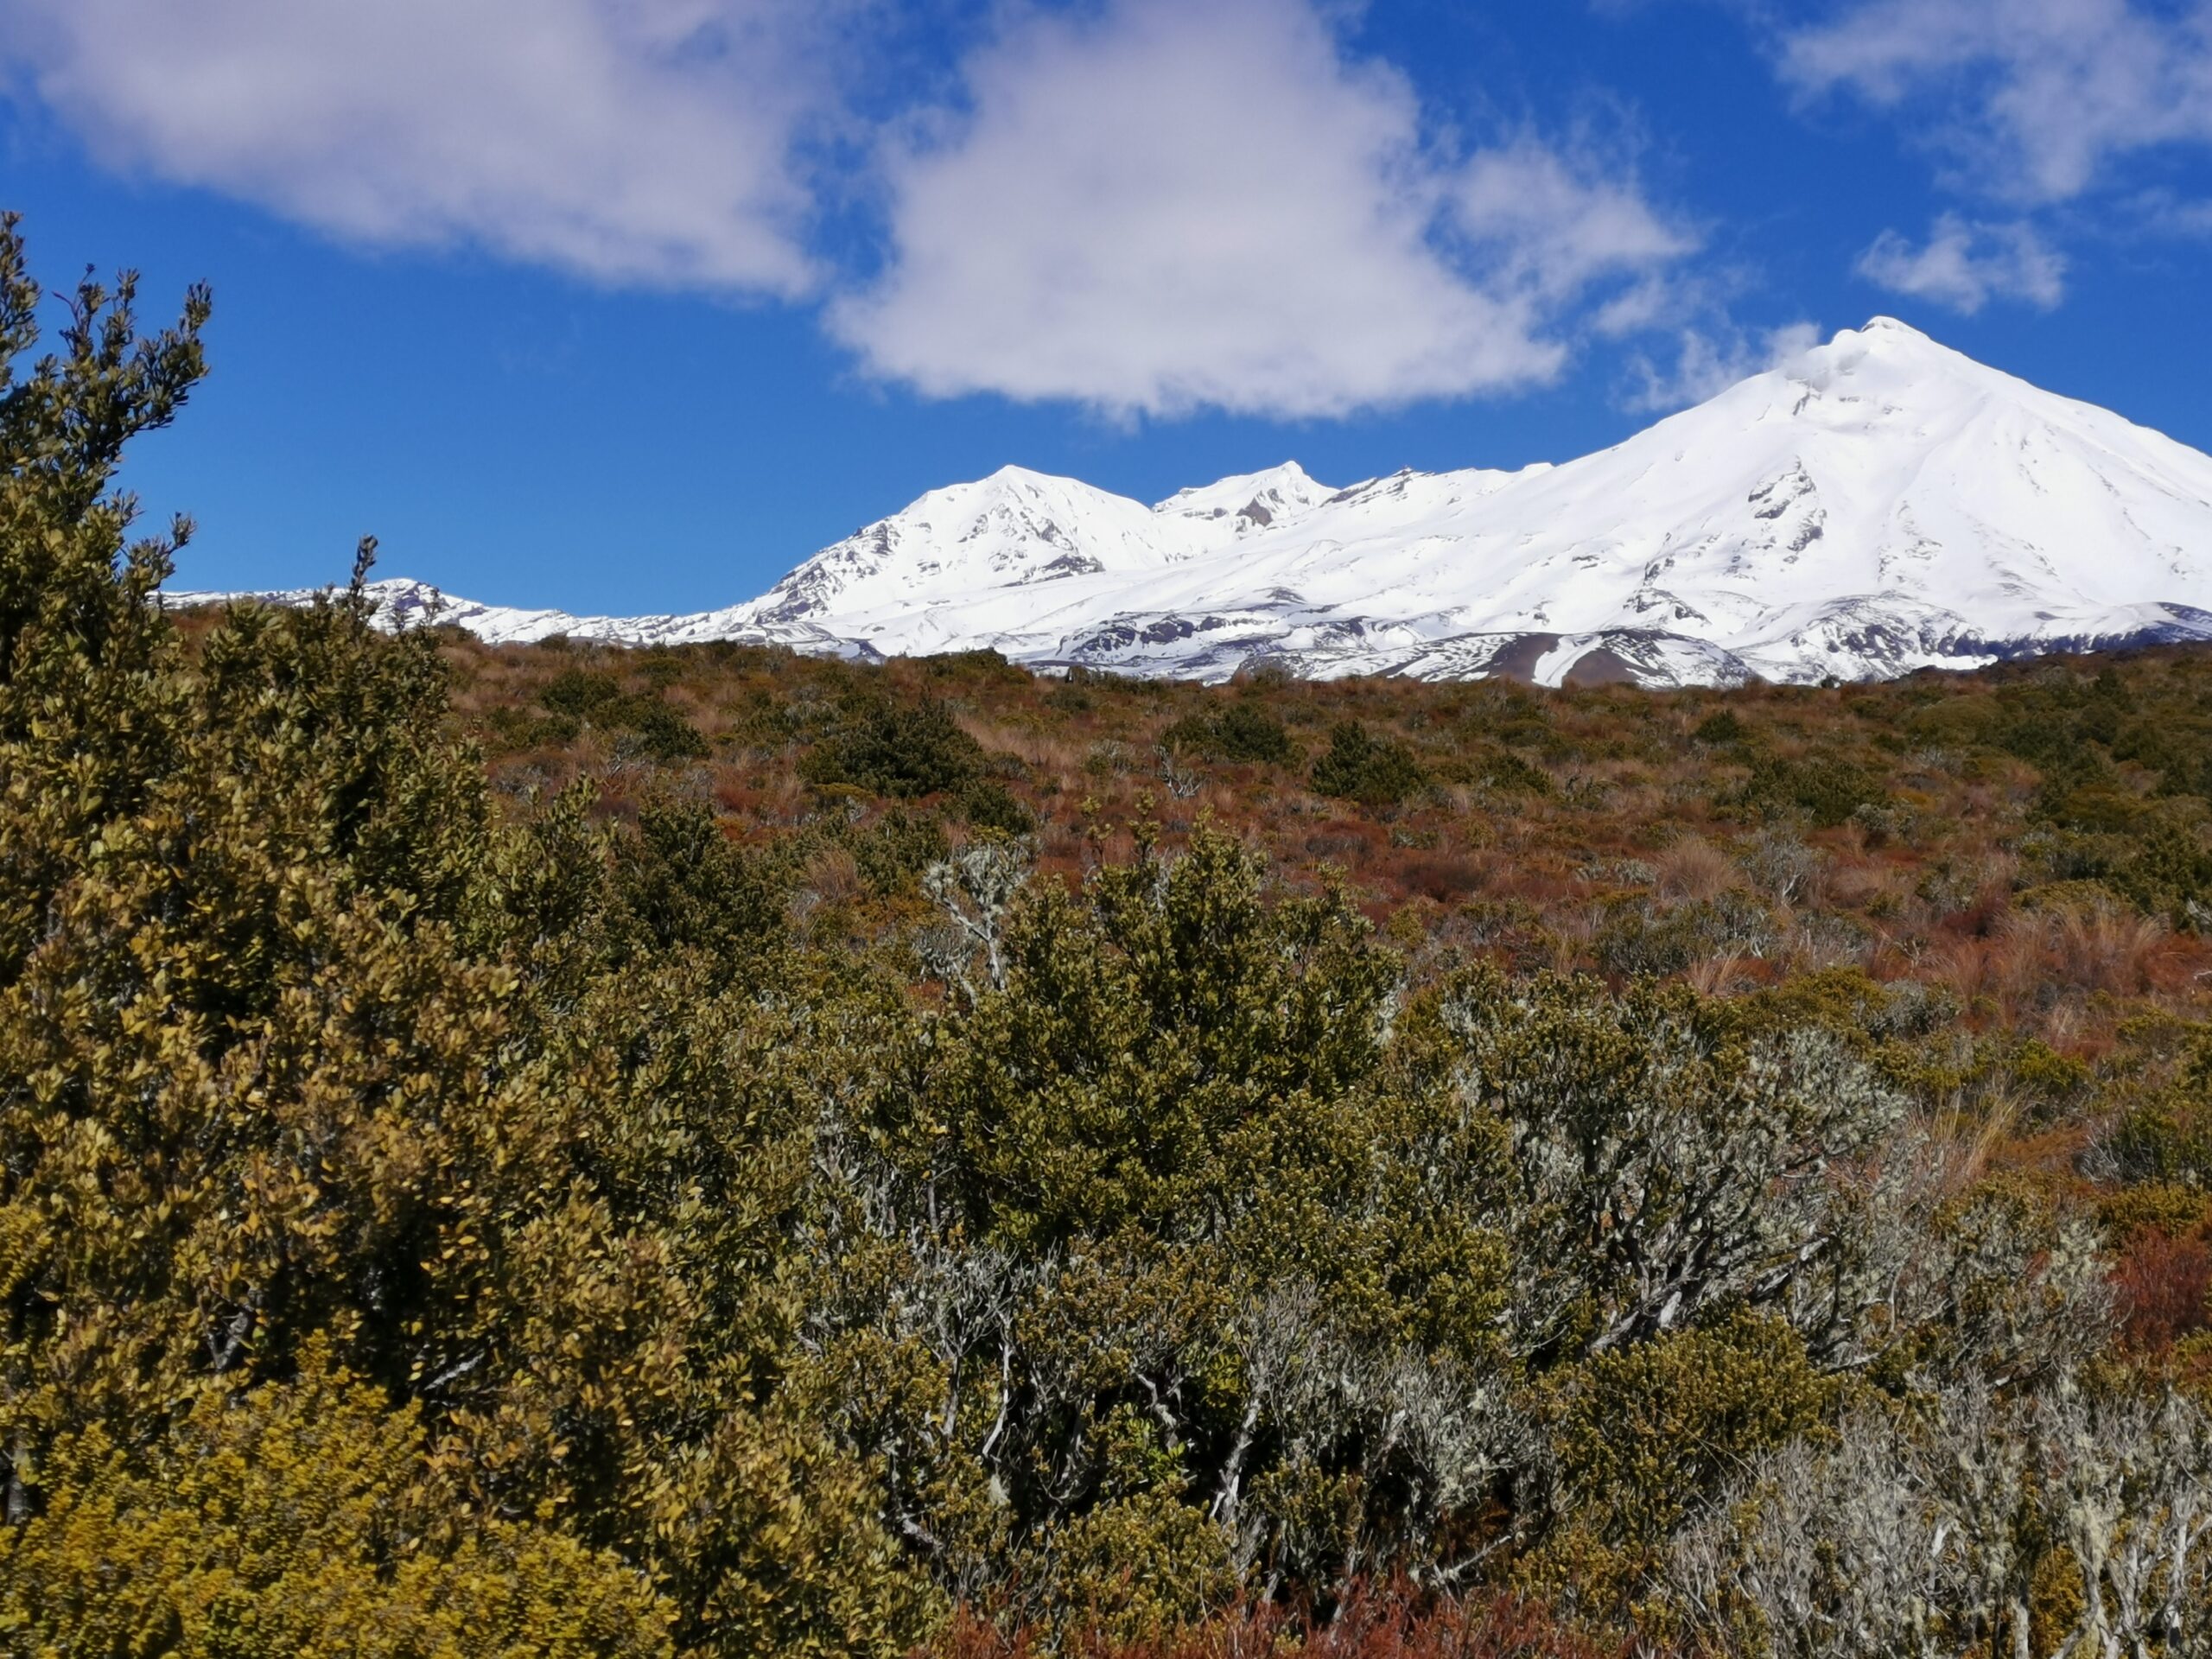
(630, 305)
(388, 574)
(1879, 502)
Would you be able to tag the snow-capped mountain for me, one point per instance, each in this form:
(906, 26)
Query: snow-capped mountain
(1878, 505)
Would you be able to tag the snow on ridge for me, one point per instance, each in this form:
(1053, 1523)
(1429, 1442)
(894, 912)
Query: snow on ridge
(1878, 504)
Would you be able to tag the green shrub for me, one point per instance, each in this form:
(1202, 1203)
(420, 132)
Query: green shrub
(2167, 1139)
(1637, 936)
(2169, 870)
(678, 883)
(1826, 789)
(1358, 766)
(2164, 1207)
(667, 735)
(984, 667)
(988, 804)
(577, 697)
(1642, 1435)
(298, 1518)
(583, 692)
(895, 850)
(1502, 769)
(1719, 729)
(896, 749)
(1243, 732)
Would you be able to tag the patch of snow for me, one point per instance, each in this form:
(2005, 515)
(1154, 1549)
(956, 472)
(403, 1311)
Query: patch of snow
(1878, 505)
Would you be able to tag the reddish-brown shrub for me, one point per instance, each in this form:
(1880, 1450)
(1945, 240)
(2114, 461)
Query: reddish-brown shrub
(1444, 877)
(1391, 1621)
(833, 876)
(2104, 947)
(2163, 1284)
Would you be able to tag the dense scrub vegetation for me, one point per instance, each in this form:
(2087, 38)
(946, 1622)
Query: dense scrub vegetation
(566, 1150)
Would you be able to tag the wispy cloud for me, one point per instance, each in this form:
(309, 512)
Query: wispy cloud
(1965, 265)
(2162, 213)
(1710, 360)
(2031, 100)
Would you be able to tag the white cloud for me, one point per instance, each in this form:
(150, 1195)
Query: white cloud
(2164, 213)
(1546, 226)
(1709, 361)
(2035, 96)
(633, 141)
(1965, 265)
(1143, 206)
(1169, 206)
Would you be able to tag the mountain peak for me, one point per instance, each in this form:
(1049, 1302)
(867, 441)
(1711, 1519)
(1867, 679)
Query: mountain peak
(1247, 501)
(1887, 340)
(1880, 504)
(1029, 478)
(1288, 472)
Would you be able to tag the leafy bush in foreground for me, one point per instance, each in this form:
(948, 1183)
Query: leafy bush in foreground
(308, 1063)
(705, 1210)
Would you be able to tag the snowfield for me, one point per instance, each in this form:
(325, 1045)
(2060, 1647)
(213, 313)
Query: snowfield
(1880, 504)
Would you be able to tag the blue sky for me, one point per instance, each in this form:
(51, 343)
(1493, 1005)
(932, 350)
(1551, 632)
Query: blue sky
(629, 305)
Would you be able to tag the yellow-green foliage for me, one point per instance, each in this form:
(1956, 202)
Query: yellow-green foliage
(1643, 1430)
(1643, 1436)
(1137, 1566)
(297, 1519)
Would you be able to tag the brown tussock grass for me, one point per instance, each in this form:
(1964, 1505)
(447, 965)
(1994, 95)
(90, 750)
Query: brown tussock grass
(1695, 870)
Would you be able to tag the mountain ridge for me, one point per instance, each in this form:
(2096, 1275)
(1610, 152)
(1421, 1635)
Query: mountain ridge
(1876, 504)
